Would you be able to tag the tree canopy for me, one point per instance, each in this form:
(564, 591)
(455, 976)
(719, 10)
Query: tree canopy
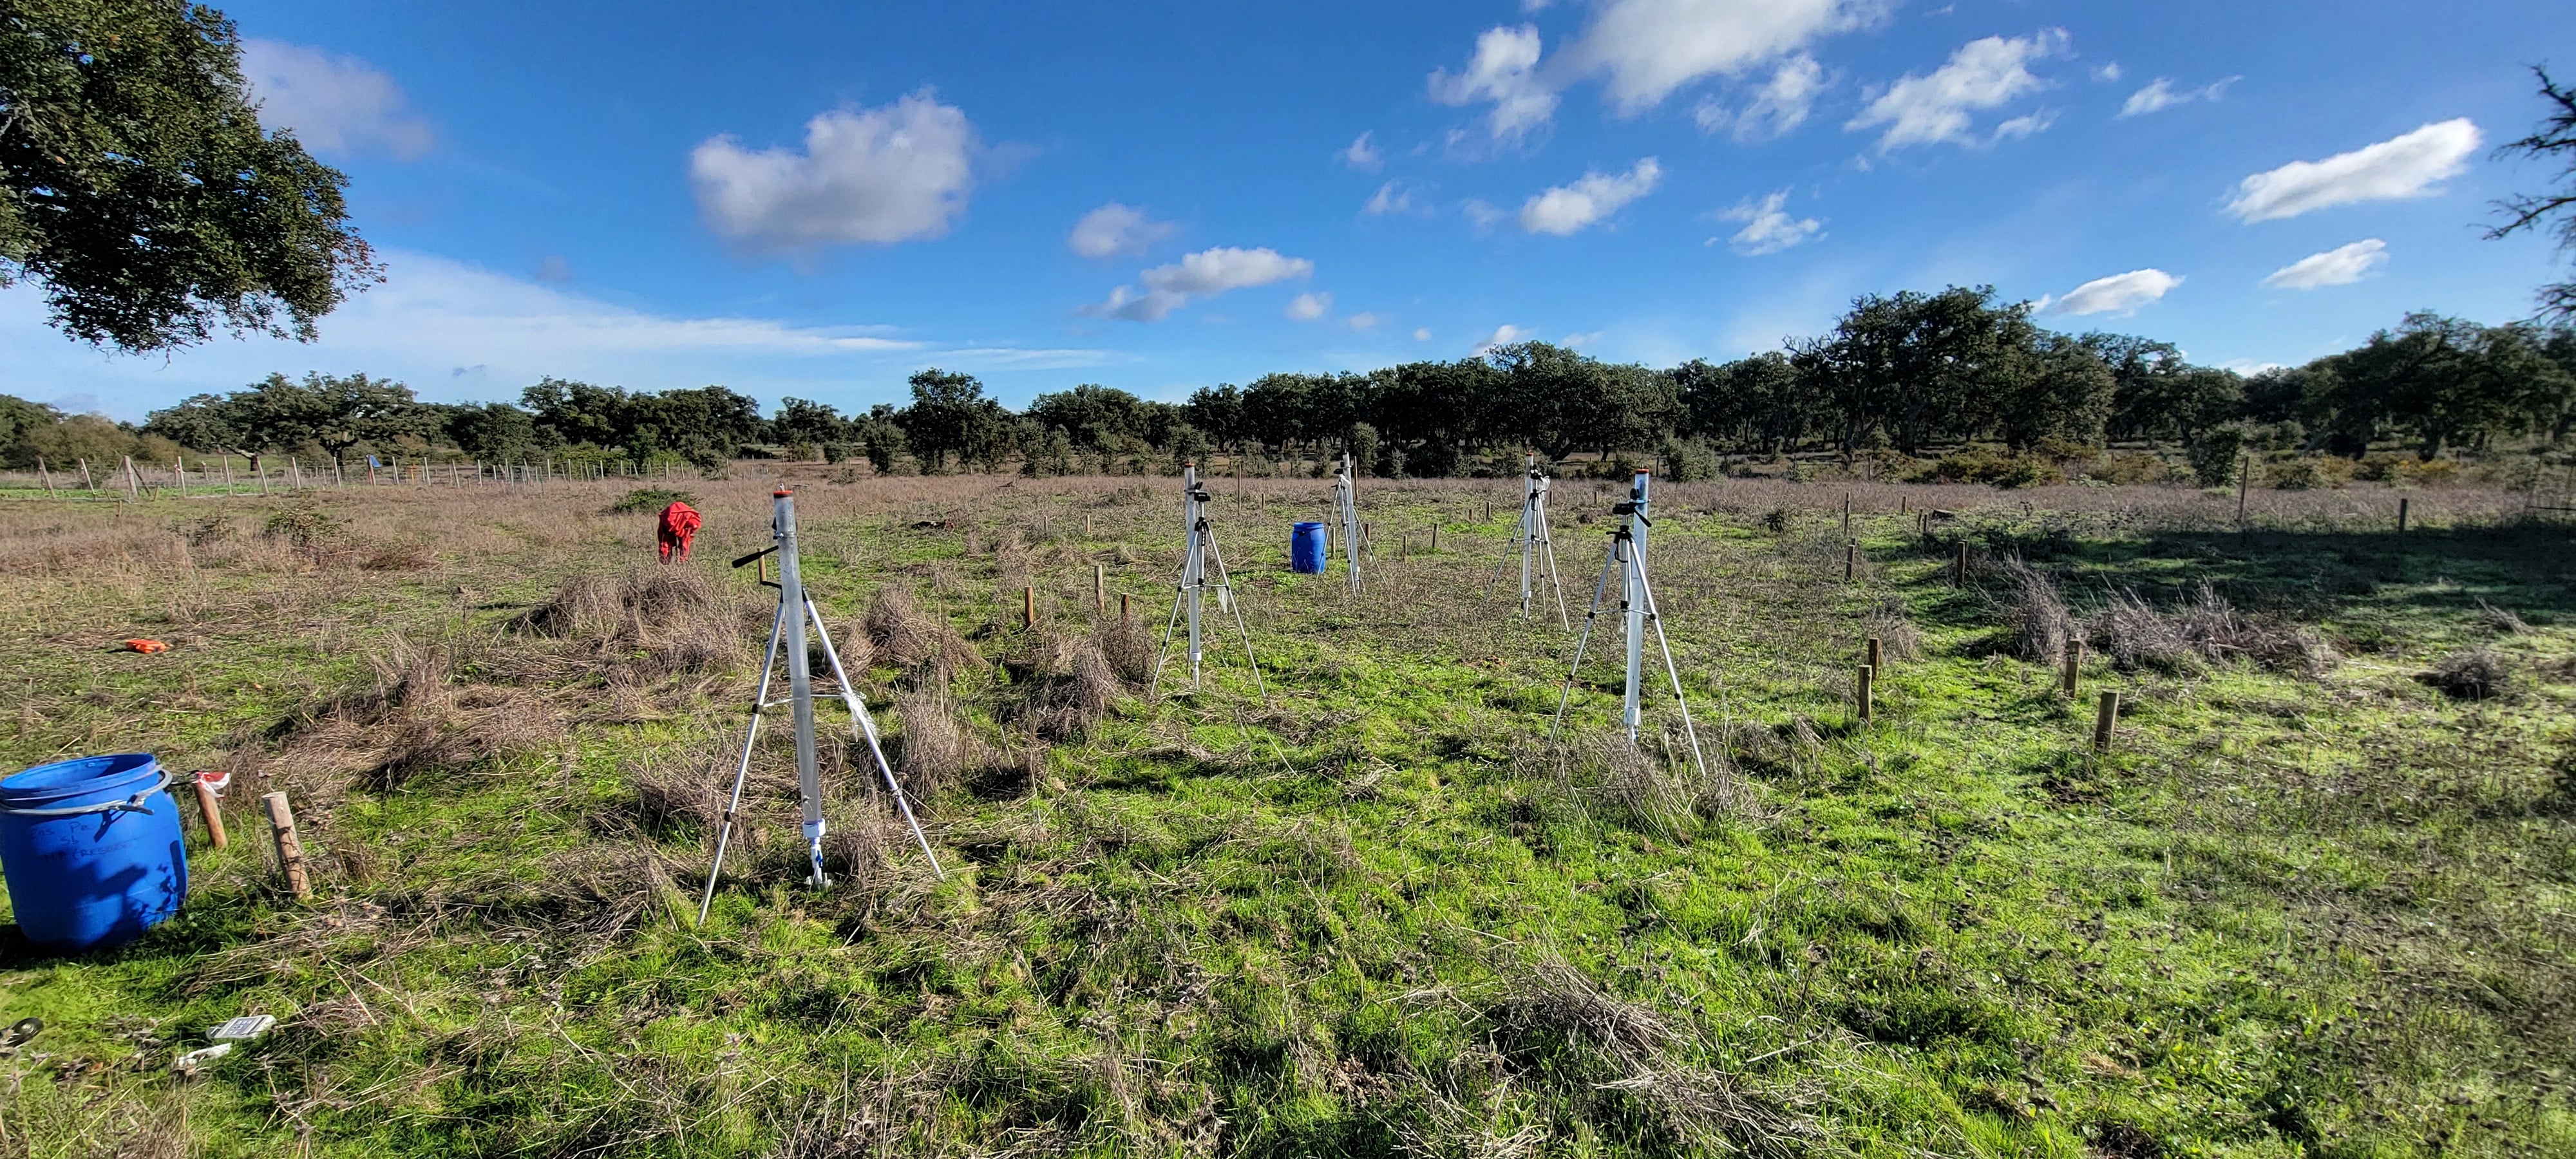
(138, 187)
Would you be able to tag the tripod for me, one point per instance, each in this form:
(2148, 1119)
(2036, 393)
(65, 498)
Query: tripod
(1187, 601)
(1346, 505)
(1530, 540)
(1636, 610)
(795, 611)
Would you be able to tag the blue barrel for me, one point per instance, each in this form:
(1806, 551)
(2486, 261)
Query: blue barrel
(1306, 549)
(92, 851)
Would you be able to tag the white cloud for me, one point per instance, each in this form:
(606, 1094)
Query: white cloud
(2107, 71)
(2160, 95)
(1392, 197)
(1503, 335)
(1115, 229)
(1363, 155)
(1768, 228)
(897, 173)
(1567, 209)
(1777, 108)
(1362, 321)
(2340, 266)
(1581, 340)
(2024, 126)
(1981, 75)
(1422, 334)
(1204, 274)
(2119, 292)
(1309, 306)
(1484, 214)
(2400, 167)
(1504, 71)
(434, 317)
(1650, 48)
(335, 104)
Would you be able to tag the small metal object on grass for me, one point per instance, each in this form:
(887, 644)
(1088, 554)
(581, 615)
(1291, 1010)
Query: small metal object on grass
(242, 1029)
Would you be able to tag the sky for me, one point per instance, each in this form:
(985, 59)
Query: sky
(817, 200)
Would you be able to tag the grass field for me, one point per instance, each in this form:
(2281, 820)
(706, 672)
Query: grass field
(2319, 899)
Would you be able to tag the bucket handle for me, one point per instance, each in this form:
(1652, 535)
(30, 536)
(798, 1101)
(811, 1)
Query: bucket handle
(133, 804)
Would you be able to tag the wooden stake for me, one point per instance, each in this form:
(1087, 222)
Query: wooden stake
(1122, 608)
(1435, 539)
(1959, 574)
(1851, 559)
(2401, 514)
(2074, 658)
(1099, 589)
(2105, 714)
(228, 474)
(86, 485)
(210, 807)
(290, 852)
(133, 482)
(48, 478)
(1028, 607)
(2244, 475)
(1861, 697)
(1874, 663)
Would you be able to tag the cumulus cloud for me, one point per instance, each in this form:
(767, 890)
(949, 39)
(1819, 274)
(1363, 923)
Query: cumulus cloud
(2160, 95)
(1484, 214)
(2340, 266)
(1567, 209)
(2409, 165)
(1578, 341)
(1362, 321)
(1115, 229)
(892, 174)
(1422, 334)
(1392, 197)
(1204, 274)
(1942, 106)
(1309, 306)
(2118, 293)
(1777, 108)
(1504, 71)
(1503, 335)
(1648, 49)
(2107, 71)
(335, 104)
(1363, 155)
(1768, 228)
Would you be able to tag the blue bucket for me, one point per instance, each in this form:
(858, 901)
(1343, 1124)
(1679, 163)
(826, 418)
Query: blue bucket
(1306, 549)
(92, 851)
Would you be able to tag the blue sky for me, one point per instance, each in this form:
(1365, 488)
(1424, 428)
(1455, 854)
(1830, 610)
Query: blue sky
(815, 200)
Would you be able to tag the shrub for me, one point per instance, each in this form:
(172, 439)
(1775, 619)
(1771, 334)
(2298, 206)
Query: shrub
(2307, 473)
(1987, 465)
(649, 499)
(2214, 456)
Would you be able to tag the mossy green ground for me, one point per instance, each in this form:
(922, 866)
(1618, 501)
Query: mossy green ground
(1374, 913)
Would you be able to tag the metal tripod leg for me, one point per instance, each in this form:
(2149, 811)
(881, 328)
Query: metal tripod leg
(1670, 669)
(1180, 593)
(759, 703)
(867, 727)
(1236, 606)
(1580, 642)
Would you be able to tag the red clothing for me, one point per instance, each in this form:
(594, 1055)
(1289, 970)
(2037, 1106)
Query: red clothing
(679, 522)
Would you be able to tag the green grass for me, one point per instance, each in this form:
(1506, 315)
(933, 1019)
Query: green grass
(1375, 914)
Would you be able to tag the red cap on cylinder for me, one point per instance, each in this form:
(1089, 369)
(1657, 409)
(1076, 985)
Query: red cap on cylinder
(781, 493)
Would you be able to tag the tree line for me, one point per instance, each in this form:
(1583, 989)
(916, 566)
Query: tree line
(1907, 374)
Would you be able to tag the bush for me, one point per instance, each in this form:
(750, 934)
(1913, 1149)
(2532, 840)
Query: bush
(2214, 456)
(1987, 465)
(2307, 473)
(1685, 461)
(649, 499)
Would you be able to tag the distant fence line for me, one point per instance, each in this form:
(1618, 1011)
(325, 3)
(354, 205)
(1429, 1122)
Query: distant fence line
(215, 479)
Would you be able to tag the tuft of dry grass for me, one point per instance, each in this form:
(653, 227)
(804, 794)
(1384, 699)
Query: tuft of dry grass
(2202, 630)
(2476, 674)
(2035, 614)
(2501, 621)
(922, 644)
(935, 751)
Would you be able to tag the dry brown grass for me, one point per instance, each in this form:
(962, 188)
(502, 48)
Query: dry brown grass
(2201, 630)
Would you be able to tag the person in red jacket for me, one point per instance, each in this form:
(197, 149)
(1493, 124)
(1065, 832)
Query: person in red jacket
(679, 522)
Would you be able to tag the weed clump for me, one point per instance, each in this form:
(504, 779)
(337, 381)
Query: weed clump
(1068, 686)
(649, 624)
(904, 635)
(2501, 621)
(2036, 619)
(2202, 630)
(2476, 674)
(935, 751)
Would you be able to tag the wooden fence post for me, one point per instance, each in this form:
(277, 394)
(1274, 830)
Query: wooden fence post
(47, 477)
(1099, 589)
(1028, 607)
(1851, 558)
(1959, 573)
(2401, 514)
(2105, 714)
(290, 852)
(133, 482)
(1123, 616)
(1861, 697)
(1874, 663)
(2066, 677)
